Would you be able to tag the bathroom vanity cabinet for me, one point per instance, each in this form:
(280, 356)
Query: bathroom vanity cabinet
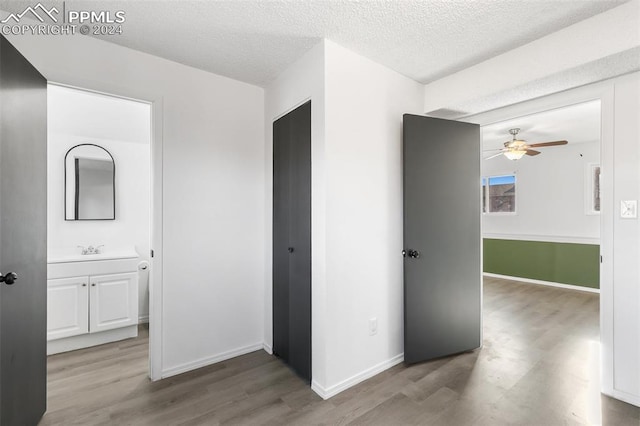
(91, 300)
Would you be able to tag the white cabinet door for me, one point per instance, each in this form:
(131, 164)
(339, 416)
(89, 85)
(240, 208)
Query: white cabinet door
(67, 307)
(113, 301)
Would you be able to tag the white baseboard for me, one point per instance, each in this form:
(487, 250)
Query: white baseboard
(623, 396)
(143, 319)
(203, 362)
(90, 339)
(540, 282)
(267, 348)
(326, 393)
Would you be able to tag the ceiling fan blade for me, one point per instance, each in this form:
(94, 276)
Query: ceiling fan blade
(554, 143)
(494, 149)
(494, 156)
(532, 152)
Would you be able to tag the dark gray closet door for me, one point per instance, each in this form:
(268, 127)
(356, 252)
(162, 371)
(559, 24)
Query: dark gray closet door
(292, 239)
(23, 233)
(442, 272)
(281, 210)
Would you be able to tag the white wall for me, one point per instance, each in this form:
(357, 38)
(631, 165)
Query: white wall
(77, 117)
(364, 267)
(357, 108)
(302, 81)
(626, 244)
(212, 133)
(550, 196)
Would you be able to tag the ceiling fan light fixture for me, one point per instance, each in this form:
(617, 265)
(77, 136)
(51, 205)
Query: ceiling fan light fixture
(517, 144)
(515, 149)
(515, 154)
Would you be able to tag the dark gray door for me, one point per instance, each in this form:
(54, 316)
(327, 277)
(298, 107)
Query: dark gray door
(442, 273)
(292, 239)
(23, 233)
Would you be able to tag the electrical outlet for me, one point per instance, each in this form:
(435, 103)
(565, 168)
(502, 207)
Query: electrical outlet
(373, 326)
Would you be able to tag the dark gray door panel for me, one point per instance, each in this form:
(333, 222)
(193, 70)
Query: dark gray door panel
(292, 239)
(300, 237)
(281, 238)
(442, 291)
(23, 232)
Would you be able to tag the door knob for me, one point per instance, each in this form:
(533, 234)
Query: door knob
(290, 249)
(8, 279)
(413, 254)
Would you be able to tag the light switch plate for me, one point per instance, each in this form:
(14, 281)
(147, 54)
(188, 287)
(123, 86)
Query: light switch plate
(629, 209)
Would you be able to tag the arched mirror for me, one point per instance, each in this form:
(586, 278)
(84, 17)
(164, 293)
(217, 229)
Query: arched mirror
(90, 192)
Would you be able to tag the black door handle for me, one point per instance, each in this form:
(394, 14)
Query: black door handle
(413, 254)
(8, 279)
(290, 249)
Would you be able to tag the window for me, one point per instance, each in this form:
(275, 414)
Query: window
(499, 194)
(484, 195)
(592, 197)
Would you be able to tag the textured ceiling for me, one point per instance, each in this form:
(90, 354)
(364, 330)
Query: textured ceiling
(578, 123)
(254, 41)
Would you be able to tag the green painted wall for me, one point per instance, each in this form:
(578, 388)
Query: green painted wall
(567, 263)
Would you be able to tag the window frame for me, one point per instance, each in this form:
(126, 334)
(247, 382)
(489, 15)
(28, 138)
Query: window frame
(484, 194)
(589, 195)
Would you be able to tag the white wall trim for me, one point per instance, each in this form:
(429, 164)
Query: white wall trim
(203, 362)
(326, 393)
(541, 282)
(156, 291)
(543, 238)
(267, 348)
(82, 341)
(143, 319)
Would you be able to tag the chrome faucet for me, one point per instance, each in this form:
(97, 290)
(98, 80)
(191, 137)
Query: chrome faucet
(91, 249)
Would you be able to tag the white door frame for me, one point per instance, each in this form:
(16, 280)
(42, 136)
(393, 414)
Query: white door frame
(156, 272)
(603, 92)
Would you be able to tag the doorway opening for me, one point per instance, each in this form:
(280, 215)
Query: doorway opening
(99, 220)
(541, 237)
(541, 213)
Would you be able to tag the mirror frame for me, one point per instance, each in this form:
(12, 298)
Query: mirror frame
(113, 161)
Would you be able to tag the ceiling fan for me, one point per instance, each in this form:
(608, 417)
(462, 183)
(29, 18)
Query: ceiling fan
(515, 149)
